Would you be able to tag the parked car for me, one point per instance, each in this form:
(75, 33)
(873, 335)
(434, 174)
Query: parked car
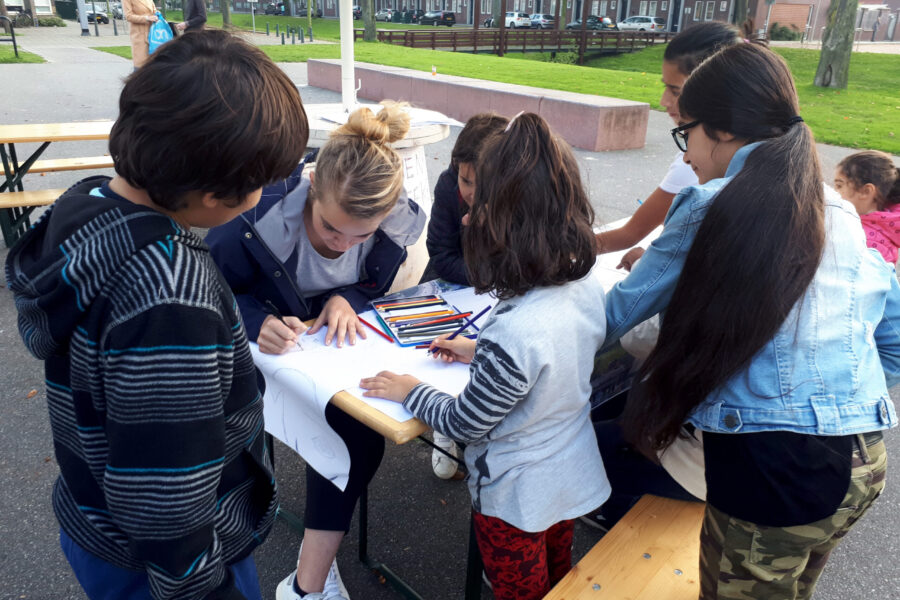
(594, 23)
(274, 9)
(642, 23)
(101, 17)
(384, 15)
(317, 13)
(116, 8)
(438, 17)
(514, 20)
(542, 21)
(357, 12)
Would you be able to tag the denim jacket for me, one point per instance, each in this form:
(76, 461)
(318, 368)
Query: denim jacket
(828, 368)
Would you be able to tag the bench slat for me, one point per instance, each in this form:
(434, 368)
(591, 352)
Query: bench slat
(71, 164)
(29, 198)
(666, 530)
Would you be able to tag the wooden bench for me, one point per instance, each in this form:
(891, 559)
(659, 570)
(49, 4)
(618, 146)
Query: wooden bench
(653, 553)
(56, 165)
(584, 120)
(29, 198)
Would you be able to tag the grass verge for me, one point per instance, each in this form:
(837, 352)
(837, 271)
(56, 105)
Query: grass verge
(7, 56)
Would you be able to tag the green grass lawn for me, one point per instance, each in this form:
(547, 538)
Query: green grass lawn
(8, 56)
(865, 115)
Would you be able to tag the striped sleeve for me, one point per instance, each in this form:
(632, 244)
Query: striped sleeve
(163, 377)
(496, 385)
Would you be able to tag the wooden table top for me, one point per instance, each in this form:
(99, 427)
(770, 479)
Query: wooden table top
(55, 132)
(396, 431)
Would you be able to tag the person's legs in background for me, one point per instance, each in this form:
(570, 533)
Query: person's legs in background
(329, 510)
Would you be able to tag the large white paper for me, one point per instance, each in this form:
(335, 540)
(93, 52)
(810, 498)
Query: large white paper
(299, 384)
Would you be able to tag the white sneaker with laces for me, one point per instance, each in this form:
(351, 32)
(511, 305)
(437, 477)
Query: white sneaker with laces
(444, 466)
(334, 588)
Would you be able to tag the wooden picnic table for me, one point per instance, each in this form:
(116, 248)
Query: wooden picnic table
(14, 220)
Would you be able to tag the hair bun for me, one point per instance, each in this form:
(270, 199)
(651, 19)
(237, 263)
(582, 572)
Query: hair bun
(389, 125)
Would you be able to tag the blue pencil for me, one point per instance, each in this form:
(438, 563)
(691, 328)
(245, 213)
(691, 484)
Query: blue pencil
(466, 324)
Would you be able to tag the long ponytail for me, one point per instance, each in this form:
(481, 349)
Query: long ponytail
(755, 252)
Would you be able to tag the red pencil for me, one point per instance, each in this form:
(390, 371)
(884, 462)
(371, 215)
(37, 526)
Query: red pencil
(375, 329)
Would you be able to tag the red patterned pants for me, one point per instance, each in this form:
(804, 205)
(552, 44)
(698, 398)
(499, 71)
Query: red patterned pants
(523, 565)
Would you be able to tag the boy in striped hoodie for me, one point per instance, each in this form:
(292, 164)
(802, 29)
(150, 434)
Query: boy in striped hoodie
(165, 483)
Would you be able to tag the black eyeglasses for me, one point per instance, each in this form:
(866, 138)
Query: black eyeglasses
(680, 135)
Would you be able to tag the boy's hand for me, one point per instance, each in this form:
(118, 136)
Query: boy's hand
(460, 349)
(389, 386)
(630, 258)
(180, 26)
(341, 320)
(277, 338)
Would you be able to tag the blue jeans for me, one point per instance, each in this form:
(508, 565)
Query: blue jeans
(105, 581)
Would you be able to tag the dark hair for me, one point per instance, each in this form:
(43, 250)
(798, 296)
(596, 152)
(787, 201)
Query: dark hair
(877, 168)
(696, 43)
(208, 112)
(530, 223)
(473, 135)
(756, 250)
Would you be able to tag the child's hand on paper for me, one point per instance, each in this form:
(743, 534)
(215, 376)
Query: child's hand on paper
(460, 349)
(276, 337)
(630, 258)
(341, 320)
(389, 386)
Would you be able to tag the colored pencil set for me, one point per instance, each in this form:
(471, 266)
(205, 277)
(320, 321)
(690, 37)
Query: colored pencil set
(420, 319)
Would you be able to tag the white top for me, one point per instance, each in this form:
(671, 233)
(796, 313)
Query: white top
(680, 175)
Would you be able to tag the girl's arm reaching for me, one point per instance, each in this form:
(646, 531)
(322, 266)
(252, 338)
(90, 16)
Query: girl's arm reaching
(496, 385)
(645, 219)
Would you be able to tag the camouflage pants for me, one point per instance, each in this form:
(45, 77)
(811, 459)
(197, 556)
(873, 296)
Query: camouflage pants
(743, 561)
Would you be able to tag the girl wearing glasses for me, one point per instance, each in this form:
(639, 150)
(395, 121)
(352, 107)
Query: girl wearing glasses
(780, 337)
(686, 50)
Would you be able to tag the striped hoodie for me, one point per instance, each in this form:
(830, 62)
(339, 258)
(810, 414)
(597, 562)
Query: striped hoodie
(154, 405)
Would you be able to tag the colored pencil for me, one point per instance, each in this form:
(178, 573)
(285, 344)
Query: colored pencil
(430, 322)
(375, 329)
(466, 324)
(419, 316)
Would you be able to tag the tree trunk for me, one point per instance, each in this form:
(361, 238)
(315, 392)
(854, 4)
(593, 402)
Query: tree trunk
(368, 14)
(837, 44)
(496, 14)
(226, 13)
(3, 8)
(740, 12)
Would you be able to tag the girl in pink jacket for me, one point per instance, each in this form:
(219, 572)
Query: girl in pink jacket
(870, 181)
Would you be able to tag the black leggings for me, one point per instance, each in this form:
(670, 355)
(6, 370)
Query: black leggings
(327, 507)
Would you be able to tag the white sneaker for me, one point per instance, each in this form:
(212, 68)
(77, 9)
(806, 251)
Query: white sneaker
(334, 588)
(444, 466)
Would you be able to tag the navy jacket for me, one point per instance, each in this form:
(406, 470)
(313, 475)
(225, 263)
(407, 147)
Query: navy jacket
(256, 275)
(444, 240)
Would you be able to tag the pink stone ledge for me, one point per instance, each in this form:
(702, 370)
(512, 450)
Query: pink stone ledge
(585, 121)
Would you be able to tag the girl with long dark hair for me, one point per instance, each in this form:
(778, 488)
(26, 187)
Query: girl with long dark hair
(780, 336)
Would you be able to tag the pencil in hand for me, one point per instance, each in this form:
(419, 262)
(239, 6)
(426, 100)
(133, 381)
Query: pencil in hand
(434, 350)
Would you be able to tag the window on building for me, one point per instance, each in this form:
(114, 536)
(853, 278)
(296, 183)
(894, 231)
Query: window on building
(595, 6)
(552, 7)
(698, 11)
(664, 6)
(612, 5)
(723, 6)
(643, 9)
(652, 12)
(603, 4)
(710, 11)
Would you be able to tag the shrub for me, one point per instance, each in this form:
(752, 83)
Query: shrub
(51, 22)
(566, 58)
(781, 33)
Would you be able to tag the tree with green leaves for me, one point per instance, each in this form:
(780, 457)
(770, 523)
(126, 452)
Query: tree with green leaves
(837, 44)
(226, 13)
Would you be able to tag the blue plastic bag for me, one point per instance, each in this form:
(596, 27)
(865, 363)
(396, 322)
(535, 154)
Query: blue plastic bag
(160, 33)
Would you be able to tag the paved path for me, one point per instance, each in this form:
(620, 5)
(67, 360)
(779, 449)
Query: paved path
(419, 523)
